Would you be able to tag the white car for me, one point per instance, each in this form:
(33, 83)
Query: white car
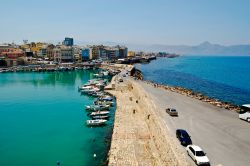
(196, 153)
(245, 112)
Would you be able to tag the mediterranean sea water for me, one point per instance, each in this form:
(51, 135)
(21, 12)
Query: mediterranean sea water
(223, 77)
(42, 121)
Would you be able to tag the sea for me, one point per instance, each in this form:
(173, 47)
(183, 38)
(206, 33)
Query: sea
(42, 121)
(226, 78)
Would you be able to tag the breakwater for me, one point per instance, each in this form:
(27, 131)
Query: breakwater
(198, 96)
(140, 137)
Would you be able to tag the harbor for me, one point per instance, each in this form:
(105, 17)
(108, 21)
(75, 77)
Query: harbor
(45, 114)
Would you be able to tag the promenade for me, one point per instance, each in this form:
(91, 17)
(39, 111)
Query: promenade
(144, 134)
(218, 131)
(140, 136)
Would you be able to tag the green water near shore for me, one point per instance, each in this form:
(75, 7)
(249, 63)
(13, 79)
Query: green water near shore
(42, 120)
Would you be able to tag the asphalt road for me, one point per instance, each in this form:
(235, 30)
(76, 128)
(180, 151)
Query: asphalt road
(219, 132)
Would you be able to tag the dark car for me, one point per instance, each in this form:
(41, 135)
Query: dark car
(183, 137)
(172, 112)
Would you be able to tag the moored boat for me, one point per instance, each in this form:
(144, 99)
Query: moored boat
(106, 98)
(99, 113)
(96, 122)
(100, 117)
(98, 102)
(97, 107)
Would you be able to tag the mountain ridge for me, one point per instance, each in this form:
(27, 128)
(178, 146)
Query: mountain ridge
(204, 48)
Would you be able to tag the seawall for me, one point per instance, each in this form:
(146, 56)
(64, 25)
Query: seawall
(140, 137)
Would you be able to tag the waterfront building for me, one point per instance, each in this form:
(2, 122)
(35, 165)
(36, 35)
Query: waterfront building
(13, 53)
(49, 52)
(112, 52)
(102, 52)
(67, 54)
(68, 41)
(5, 48)
(86, 53)
(131, 54)
(11, 57)
(95, 53)
(77, 54)
(42, 52)
(57, 55)
(123, 51)
(35, 47)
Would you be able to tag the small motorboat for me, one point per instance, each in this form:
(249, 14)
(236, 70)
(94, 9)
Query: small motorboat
(97, 107)
(100, 117)
(98, 102)
(99, 113)
(96, 122)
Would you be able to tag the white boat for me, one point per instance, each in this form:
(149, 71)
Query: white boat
(99, 113)
(100, 117)
(98, 75)
(96, 122)
(91, 90)
(98, 102)
(97, 107)
(84, 87)
(105, 73)
(106, 98)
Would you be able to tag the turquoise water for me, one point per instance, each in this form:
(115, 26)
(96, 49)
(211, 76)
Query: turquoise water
(222, 77)
(42, 120)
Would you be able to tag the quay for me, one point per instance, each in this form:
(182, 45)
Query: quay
(144, 134)
(139, 135)
(51, 67)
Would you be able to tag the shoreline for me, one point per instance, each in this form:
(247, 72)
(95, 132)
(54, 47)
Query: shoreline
(196, 95)
(190, 93)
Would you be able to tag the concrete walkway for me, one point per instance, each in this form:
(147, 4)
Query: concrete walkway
(219, 132)
(139, 138)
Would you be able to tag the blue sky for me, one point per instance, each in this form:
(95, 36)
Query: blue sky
(127, 21)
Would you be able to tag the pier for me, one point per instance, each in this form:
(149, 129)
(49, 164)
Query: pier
(139, 135)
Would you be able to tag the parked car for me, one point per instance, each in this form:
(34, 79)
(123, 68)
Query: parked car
(197, 154)
(183, 137)
(245, 112)
(172, 112)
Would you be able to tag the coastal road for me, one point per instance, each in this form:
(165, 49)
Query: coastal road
(219, 132)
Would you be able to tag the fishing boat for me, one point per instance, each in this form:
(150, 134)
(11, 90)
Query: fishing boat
(99, 113)
(96, 107)
(98, 102)
(100, 117)
(98, 75)
(97, 94)
(84, 87)
(90, 90)
(96, 122)
(106, 98)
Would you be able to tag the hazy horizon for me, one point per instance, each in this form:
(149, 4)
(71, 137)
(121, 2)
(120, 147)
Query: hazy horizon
(191, 22)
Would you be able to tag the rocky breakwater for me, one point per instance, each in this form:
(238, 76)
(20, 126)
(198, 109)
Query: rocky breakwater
(199, 96)
(140, 137)
(187, 92)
